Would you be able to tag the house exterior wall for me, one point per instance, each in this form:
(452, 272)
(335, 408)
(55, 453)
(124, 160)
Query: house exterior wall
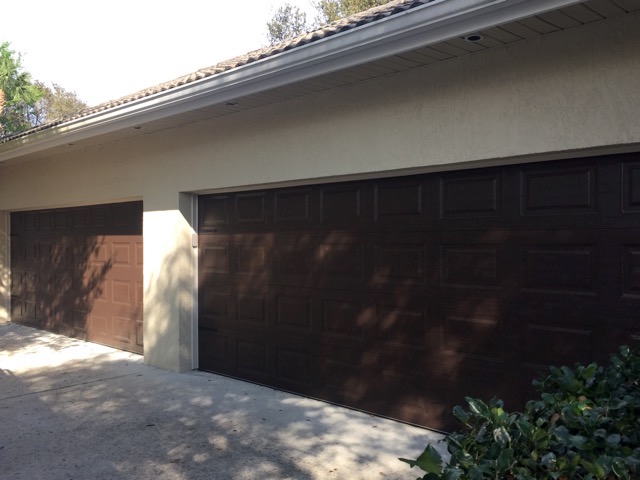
(565, 94)
(169, 271)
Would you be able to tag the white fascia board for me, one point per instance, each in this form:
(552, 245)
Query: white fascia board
(421, 26)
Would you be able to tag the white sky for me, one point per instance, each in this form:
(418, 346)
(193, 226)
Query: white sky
(103, 50)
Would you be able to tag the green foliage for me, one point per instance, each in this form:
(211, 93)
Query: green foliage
(287, 22)
(25, 103)
(56, 103)
(584, 426)
(332, 10)
(18, 94)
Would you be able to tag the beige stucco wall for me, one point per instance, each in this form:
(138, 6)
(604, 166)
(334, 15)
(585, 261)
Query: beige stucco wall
(169, 284)
(569, 93)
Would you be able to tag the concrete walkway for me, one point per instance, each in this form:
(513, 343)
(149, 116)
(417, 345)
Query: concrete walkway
(75, 410)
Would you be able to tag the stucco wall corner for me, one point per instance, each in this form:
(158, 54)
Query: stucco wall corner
(168, 290)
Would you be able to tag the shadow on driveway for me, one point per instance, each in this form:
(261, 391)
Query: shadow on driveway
(70, 409)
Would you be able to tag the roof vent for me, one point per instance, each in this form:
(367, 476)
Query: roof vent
(473, 38)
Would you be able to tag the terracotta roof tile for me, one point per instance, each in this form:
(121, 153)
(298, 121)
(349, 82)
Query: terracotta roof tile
(349, 23)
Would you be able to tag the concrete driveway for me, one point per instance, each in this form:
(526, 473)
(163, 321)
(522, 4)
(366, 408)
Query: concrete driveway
(75, 410)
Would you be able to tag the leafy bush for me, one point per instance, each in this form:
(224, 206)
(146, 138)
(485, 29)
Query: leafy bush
(584, 426)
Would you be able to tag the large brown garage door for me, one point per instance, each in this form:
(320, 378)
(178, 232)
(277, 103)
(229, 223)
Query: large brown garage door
(401, 296)
(78, 271)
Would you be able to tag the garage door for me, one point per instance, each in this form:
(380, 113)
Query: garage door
(400, 296)
(78, 271)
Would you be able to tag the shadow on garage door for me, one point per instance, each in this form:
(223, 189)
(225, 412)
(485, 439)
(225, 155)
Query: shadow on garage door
(402, 295)
(78, 272)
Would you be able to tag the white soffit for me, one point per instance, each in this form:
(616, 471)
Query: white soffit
(418, 27)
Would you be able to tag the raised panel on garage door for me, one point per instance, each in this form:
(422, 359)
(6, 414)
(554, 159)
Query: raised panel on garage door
(78, 271)
(400, 296)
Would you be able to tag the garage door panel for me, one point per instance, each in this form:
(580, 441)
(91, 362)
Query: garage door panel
(122, 253)
(17, 283)
(628, 333)
(341, 382)
(252, 208)
(345, 318)
(400, 263)
(47, 254)
(216, 306)
(552, 190)
(126, 217)
(99, 325)
(252, 309)
(80, 321)
(46, 221)
(560, 268)
(341, 258)
(93, 288)
(214, 349)
(80, 218)
(471, 266)
(346, 206)
(399, 201)
(294, 312)
(121, 292)
(402, 295)
(215, 257)
(547, 345)
(631, 269)
(473, 335)
(85, 258)
(465, 303)
(293, 207)
(17, 308)
(252, 358)
(250, 258)
(214, 213)
(471, 196)
(294, 256)
(100, 216)
(394, 359)
(294, 366)
(30, 222)
(31, 281)
(228, 310)
(62, 220)
(402, 325)
(631, 186)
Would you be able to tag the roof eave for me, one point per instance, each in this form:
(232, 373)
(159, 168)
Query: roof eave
(421, 26)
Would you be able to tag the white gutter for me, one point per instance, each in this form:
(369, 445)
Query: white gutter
(418, 27)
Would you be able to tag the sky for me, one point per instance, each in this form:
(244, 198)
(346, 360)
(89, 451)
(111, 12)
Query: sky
(103, 50)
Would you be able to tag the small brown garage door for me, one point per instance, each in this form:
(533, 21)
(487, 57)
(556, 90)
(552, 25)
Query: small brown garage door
(78, 271)
(401, 296)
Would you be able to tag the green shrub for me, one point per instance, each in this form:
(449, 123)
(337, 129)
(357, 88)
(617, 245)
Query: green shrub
(585, 426)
